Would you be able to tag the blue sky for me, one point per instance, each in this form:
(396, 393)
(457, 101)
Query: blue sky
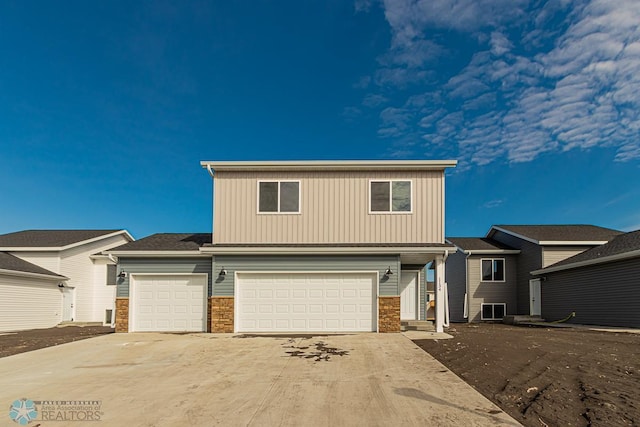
(106, 108)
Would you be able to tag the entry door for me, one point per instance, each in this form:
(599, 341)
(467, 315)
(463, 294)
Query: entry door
(535, 296)
(67, 304)
(408, 295)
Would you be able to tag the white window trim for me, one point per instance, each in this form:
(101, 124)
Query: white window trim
(391, 212)
(278, 212)
(504, 270)
(504, 304)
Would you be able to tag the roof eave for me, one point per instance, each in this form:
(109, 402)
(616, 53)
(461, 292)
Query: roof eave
(69, 246)
(327, 250)
(152, 254)
(329, 165)
(33, 275)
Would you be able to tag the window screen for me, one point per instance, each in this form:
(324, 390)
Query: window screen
(111, 275)
(268, 197)
(380, 192)
(289, 196)
(401, 196)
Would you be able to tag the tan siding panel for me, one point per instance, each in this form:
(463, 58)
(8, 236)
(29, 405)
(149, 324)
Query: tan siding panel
(551, 254)
(334, 209)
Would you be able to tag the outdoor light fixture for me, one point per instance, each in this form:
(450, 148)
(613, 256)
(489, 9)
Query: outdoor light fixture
(122, 275)
(223, 272)
(388, 272)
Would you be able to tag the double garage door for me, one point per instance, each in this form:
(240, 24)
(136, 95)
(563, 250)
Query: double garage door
(175, 303)
(305, 302)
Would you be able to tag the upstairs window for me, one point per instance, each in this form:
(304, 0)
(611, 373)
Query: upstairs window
(279, 197)
(390, 196)
(493, 270)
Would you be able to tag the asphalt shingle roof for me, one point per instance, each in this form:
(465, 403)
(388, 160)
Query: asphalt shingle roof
(48, 238)
(563, 233)
(624, 243)
(478, 243)
(167, 242)
(13, 263)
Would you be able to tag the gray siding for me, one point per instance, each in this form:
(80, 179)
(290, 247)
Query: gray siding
(491, 292)
(606, 294)
(530, 259)
(224, 285)
(161, 265)
(456, 277)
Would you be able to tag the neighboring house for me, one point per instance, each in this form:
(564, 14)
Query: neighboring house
(481, 275)
(31, 295)
(297, 246)
(600, 286)
(89, 293)
(490, 277)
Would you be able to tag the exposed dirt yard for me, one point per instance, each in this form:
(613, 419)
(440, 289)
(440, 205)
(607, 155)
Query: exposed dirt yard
(34, 339)
(547, 376)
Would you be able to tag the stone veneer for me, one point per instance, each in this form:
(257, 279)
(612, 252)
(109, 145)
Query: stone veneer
(122, 314)
(221, 314)
(389, 314)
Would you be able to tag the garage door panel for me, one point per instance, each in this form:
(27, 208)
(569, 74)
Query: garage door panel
(305, 302)
(169, 303)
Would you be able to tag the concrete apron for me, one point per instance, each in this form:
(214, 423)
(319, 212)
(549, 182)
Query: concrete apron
(209, 379)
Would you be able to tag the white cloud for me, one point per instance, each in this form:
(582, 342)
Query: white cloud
(553, 77)
(374, 100)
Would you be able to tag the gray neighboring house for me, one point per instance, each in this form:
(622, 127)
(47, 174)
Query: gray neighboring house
(172, 281)
(601, 285)
(491, 277)
(481, 277)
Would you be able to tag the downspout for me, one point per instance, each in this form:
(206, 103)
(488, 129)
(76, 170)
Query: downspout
(465, 314)
(213, 196)
(445, 292)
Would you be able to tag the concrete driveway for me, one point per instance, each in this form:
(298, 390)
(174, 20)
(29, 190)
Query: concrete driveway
(208, 379)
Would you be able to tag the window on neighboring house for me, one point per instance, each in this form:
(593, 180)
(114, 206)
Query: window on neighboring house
(390, 196)
(111, 275)
(495, 311)
(493, 270)
(279, 197)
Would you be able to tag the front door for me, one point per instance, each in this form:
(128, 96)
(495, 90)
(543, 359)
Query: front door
(67, 304)
(534, 295)
(408, 295)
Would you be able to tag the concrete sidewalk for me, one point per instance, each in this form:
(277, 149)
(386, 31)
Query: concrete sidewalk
(206, 379)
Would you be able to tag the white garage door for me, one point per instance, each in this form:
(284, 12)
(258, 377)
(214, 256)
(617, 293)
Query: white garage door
(295, 302)
(169, 303)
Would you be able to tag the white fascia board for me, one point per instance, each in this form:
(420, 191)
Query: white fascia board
(493, 251)
(327, 250)
(573, 242)
(330, 165)
(153, 254)
(63, 248)
(33, 275)
(602, 260)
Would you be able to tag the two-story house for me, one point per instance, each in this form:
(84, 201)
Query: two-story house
(490, 277)
(53, 276)
(305, 246)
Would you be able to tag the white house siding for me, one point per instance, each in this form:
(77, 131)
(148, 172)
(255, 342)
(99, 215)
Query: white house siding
(334, 208)
(29, 303)
(49, 260)
(553, 254)
(90, 288)
(105, 295)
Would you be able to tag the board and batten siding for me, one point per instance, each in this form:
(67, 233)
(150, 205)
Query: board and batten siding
(603, 294)
(491, 292)
(161, 266)
(456, 277)
(553, 254)
(334, 208)
(224, 285)
(29, 303)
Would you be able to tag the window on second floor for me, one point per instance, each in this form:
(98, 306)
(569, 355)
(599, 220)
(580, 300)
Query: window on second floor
(279, 197)
(390, 196)
(493, 270)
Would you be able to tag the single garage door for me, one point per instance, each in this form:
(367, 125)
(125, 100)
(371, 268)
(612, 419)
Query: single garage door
(169, 303)
(296, 302)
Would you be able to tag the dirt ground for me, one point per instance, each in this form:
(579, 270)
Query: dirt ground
(547, 376)
(23, 341)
